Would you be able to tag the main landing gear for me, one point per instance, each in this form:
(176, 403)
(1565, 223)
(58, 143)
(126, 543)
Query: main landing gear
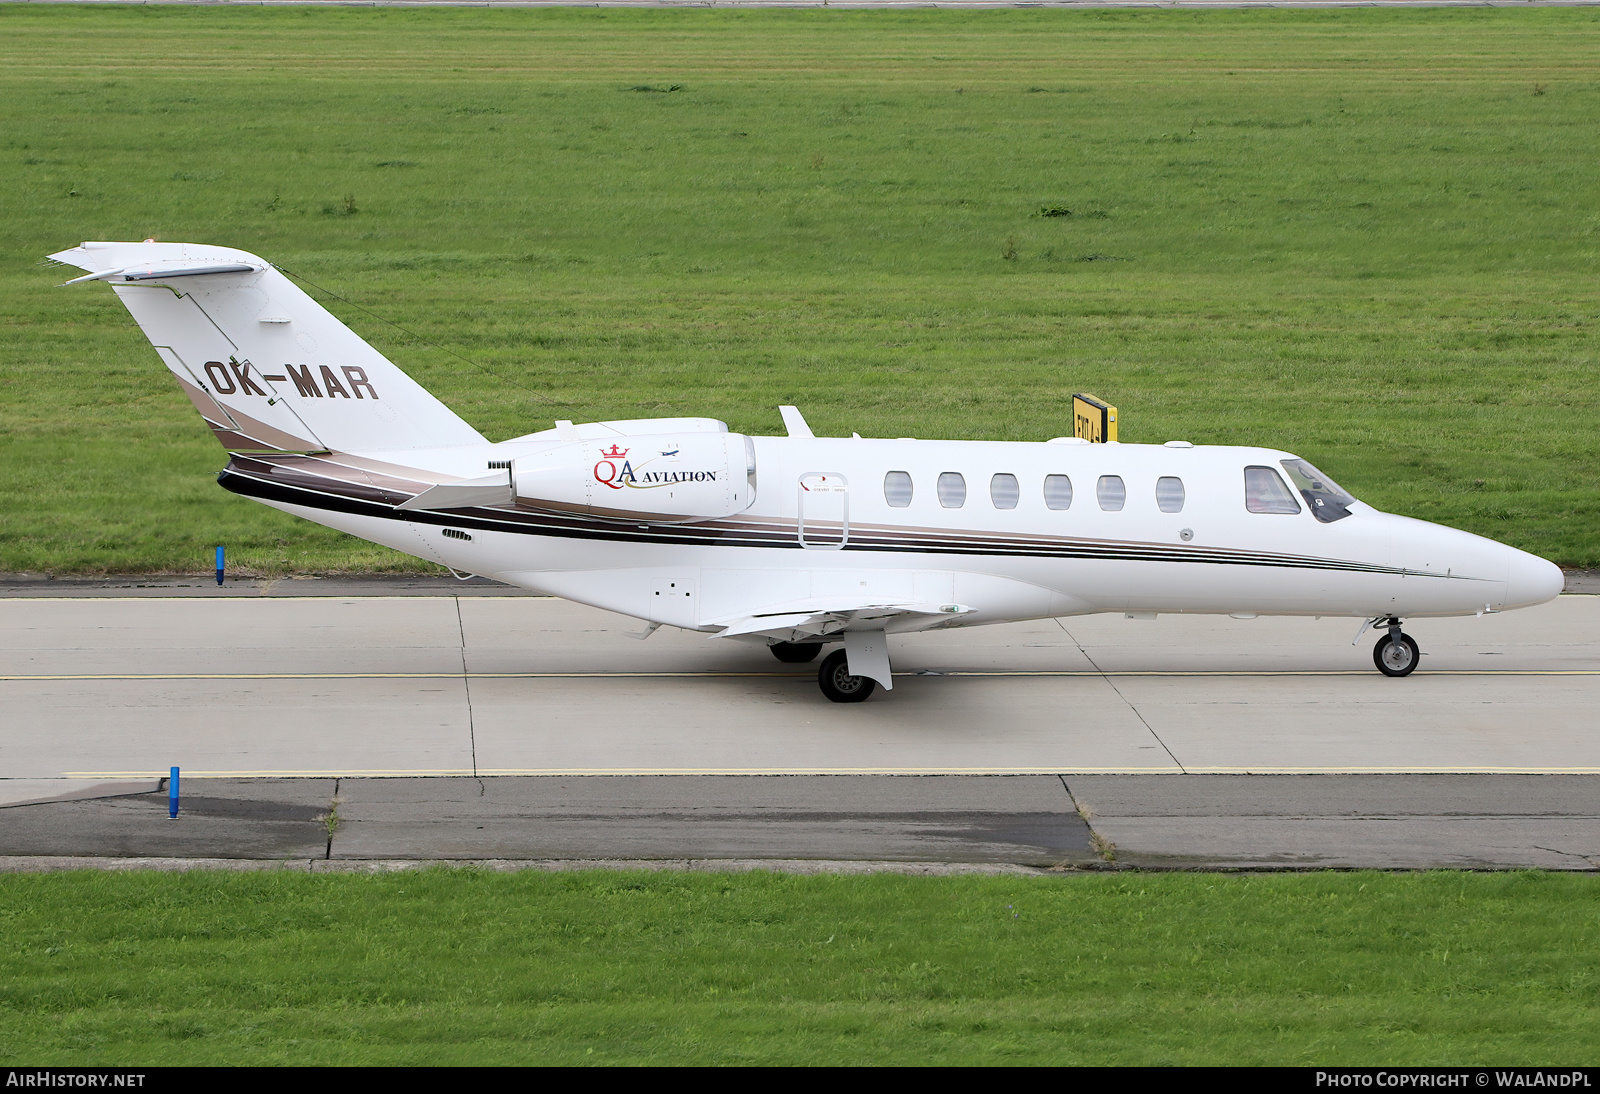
(838, 685)
(834, 677)
(795, 653)
(1396, 653)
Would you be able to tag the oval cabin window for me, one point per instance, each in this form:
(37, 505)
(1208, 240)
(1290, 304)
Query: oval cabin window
(897, 489)
(1057, 492)
(1169, 494)
(1111, 492)
(1003, 491)
(952, 490)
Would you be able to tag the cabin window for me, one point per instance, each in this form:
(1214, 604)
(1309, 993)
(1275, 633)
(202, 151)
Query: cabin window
(1057, 492)
(1004, 491)
(897, 489)
(1169, 494)
(1328, 502)
(952, 489)
(1111, 492)
(1264, 492)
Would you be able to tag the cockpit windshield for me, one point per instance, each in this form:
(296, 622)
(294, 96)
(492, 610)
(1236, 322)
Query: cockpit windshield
(1327, 501)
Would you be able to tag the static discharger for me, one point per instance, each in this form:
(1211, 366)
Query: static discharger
(1093, 419)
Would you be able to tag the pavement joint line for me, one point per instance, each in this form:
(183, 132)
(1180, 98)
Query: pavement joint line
(1129, 703)
(712, 674)
(620, 772)
(466, 688)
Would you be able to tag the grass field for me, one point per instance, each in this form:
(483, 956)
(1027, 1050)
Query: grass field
(451, 966)
(1368, 236)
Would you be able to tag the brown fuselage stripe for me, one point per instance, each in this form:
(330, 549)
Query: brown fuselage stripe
(322, 483)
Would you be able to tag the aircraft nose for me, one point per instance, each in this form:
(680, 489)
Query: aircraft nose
(1532, 580)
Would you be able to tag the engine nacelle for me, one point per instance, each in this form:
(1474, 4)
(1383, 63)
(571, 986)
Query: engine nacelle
(663, 477)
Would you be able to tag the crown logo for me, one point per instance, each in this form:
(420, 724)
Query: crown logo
(614, 453)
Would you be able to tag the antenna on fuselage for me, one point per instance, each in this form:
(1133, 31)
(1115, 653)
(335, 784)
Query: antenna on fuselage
(795, 422)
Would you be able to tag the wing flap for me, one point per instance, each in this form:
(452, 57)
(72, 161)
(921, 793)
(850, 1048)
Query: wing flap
(814, 619)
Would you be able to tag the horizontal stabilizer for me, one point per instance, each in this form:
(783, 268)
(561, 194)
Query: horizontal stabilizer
(156, 270)
(489, 490)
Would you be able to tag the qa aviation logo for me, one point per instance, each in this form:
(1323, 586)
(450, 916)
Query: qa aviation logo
(616, 470)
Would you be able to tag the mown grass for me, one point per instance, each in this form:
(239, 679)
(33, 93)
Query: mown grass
(1367, 236)
(461, 966)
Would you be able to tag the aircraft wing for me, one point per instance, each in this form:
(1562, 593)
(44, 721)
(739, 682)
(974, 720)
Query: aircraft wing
(811, 619)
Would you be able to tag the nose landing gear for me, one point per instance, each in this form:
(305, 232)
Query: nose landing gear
(1396, 653)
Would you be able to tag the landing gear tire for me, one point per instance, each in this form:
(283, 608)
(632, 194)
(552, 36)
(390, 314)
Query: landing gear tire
(795, 653)
(1396, 658)
(838, 685)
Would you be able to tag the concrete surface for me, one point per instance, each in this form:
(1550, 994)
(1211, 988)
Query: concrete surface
(1181, 738)
(107, 689)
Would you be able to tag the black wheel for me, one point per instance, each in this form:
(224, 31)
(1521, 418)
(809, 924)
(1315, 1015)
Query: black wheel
(795, 653)
(1396, 658)
(838, 685)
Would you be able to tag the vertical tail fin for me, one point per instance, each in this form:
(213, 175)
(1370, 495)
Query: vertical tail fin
(267, 366)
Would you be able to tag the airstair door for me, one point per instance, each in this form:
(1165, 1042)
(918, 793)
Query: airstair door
(824, 511)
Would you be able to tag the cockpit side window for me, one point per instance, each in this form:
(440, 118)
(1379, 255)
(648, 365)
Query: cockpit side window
(1327, 501)
(1264, 492)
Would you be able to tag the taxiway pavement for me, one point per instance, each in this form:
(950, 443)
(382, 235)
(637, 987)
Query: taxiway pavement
(458, 726)
(103, 689)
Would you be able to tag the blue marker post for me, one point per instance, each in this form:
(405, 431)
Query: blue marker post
(219, 564)
(172, 796)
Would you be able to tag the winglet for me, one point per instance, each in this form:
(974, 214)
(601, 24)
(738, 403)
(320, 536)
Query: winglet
(795, 422)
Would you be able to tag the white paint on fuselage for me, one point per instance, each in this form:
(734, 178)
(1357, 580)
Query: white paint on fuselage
(1449, 572)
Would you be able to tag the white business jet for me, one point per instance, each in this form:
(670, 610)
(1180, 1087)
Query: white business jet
(793, 542)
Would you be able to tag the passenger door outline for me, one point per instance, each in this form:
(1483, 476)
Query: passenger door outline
(825, 495)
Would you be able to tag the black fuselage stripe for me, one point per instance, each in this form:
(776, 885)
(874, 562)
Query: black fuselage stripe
(753, 533)
(524, 524)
